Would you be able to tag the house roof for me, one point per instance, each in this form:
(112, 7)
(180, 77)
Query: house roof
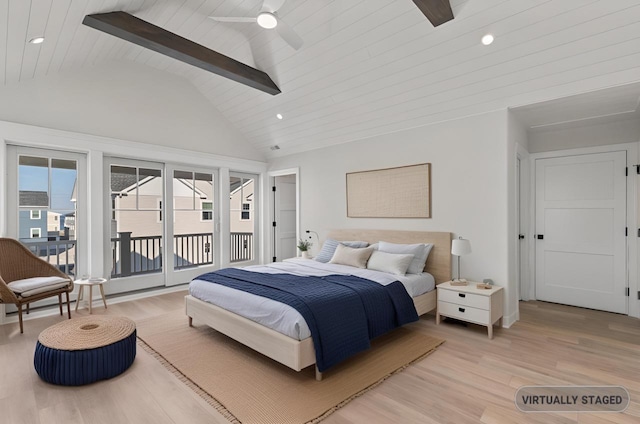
(122, 182)
(365, 69)
(34, 198)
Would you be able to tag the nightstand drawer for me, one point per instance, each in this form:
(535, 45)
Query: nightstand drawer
(465, 313)
(466, 299)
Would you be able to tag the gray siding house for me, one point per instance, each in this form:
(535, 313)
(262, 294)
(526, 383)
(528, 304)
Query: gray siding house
(33, 222)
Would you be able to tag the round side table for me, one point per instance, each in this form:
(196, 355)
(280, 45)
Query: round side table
(90, 282)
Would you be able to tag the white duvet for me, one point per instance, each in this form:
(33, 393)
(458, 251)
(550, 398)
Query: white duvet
(283, 318)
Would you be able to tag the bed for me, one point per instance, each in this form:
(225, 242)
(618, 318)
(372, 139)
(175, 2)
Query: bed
(299, 354)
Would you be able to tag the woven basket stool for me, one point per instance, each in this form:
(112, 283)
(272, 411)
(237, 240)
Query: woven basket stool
(84, 350)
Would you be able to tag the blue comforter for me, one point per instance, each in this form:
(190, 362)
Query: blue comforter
(343, 312)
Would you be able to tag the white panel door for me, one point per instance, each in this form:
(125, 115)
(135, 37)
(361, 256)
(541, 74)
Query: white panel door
(580, 231)
(285, 217)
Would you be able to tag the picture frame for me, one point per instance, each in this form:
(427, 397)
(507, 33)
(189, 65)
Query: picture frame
(399, 192)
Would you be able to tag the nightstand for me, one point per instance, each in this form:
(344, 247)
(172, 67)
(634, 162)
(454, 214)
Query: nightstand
(470, 304)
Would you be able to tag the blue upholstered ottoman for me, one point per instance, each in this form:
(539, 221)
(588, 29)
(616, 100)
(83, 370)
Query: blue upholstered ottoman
(84, 350)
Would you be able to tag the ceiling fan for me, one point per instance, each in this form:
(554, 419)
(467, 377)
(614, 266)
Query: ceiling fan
(268, 19)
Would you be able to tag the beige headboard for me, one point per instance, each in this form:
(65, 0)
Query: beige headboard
(439, 261)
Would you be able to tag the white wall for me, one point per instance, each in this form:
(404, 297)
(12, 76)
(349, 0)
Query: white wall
(469, 184)
(591, 133)
(517, 141)
(128, 102)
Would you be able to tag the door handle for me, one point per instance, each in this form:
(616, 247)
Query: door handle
(520, 236)
(540, 237)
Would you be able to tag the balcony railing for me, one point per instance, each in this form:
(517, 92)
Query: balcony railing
(241, 247)
(192, 250)
(143, 255)
(61, 253)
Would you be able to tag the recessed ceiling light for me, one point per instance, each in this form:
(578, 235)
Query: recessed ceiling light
(36, 40)
(267, 20)
(487, 39)
(279, 116)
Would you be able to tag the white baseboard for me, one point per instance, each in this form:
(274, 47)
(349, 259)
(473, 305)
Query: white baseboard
(509, 320)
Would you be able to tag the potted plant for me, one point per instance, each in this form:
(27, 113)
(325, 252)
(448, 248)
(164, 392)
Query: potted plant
(304, 246)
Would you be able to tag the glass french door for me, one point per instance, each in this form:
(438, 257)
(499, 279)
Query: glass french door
(47, 206)
(135, 224)
(242, 218)
(194, 219)
(162, 223)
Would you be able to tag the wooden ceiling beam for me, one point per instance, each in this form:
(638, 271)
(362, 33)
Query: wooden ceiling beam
(152, 37)
(437, 11)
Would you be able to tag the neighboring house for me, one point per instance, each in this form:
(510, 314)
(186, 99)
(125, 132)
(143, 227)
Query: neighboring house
(147, 219)
(33, 223)
(241, 206)
(55, 223)
(70, 224)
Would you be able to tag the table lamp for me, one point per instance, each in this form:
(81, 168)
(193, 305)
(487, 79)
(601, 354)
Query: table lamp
(460, 247)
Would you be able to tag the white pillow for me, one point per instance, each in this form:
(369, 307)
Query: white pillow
(419, 251)
(329, 248)
(345, 255)
(393, 263)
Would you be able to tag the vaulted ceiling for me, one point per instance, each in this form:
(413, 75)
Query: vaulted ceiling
(367, 67)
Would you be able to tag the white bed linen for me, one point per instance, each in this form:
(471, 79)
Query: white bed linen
(281, 317)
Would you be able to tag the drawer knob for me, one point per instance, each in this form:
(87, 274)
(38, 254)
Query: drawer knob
(462, 295)
(461, 309)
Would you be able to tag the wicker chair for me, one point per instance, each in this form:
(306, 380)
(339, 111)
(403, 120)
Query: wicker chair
(18, 263)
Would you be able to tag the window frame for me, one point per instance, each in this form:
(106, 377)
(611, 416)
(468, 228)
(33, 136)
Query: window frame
(203, 210)
(243, 211)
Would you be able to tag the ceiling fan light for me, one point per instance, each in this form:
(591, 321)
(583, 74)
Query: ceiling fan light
(267, 20)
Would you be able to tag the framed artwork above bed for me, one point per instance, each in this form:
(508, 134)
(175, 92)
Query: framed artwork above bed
(402, 192)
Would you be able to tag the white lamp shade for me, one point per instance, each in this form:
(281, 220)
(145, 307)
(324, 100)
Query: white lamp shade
(460, 247)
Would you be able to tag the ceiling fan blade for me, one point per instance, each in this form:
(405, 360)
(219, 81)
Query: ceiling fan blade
(289, 35)
(272, 5)
(232, 19)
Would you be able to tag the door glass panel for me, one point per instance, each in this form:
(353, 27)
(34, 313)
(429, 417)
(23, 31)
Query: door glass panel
(136, 220)
(47, 209)
(193, 204)
(241, 217)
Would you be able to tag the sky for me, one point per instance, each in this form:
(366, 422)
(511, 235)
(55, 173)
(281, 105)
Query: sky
(35, 178)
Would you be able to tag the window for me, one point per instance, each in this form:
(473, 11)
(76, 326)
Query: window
(137, 242)
(193, 208)
(246, 211)
(47, 191)
(242, 218)
(207, 211)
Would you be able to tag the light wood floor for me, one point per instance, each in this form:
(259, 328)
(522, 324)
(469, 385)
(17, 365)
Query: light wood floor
(469, 379)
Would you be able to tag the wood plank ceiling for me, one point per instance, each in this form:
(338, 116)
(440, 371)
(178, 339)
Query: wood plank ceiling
(367, 67)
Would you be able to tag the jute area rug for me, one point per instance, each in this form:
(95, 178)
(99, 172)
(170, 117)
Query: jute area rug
(248, 387)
